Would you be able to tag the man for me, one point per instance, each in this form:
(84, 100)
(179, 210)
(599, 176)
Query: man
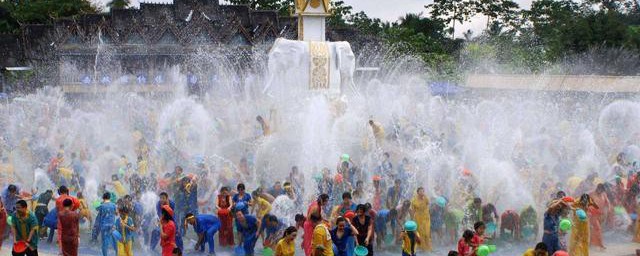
(276, 190)
(206, 226)
(271, 230)
(344, 207)
(187, 200)
(378, 131)
(63, 191)
(42, 207)
(321, 243)
(105, 220)
(25, 228)
(10, 197)
(69, 229)
(247, 226)
(394, 195)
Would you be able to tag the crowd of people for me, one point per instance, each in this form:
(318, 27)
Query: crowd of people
(343, 219)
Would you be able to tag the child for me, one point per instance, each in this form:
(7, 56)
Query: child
(410, 238)
(478, 237)
(465, 245)
(125, 226)
(85, 213)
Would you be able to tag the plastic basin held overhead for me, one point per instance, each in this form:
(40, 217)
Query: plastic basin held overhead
(361, 250)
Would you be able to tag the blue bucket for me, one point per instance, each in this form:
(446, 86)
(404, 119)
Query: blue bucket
(239, 251)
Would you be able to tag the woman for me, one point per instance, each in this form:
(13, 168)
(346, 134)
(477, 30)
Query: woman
(579, 240)
(242, 197)
(225, 204)
(340, 236)
(363, 224)
(125, 226)
(287, 246)
(420, 213)
(490, 218)
(551, 224)
(598, 216)
(315, 209)
(167, 231)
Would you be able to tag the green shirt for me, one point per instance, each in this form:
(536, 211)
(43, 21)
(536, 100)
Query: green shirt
(24, 226)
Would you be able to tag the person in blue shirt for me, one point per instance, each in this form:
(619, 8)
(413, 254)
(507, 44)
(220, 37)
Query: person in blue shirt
(247, 227)
(243, 197)
(381, 220)
(343, 237)
(105, 219)
(271, 230)
(51, 221)
(206, 226)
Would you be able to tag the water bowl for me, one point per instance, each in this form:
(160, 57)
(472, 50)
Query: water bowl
(410, 226)
(267, 251)
(361, 250)
(582, 215)
(483, 250)
(565, 225)
(20, 246)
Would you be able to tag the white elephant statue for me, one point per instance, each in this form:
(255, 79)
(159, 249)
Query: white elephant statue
(298, 67)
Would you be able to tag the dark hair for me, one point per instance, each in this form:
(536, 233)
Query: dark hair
(240, 186)
(315, 218)
(63, 190)
(361, 207)
(393, 213)
(467, 234)
(166, 216)
(541, 246)
(560, 194)
(368, 206)
(271, 217)
(453, 253)
(106, 196)
(289, 231)
(177, 251)
(67, 202)
(79, 194)
(123, 210)
(419, 188)
(346, 195)
(323, 197)
(178, 168)
(164, 194)
(477, 200)
(478, 225)
(22, 203)
(189, 215)
(299, 217)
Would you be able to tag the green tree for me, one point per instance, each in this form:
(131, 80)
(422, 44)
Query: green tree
(340, 13)
(452, 11)
(40, 12)
(284, 7)
(502, 11)
(118, 4)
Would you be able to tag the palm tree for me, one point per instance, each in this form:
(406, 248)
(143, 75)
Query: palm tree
(118, 4)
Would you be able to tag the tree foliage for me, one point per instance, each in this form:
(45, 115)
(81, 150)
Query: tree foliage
(40, 12)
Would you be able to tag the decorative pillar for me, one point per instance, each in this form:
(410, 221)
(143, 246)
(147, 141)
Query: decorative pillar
(311, 19)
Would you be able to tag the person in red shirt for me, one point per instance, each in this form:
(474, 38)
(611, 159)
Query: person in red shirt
(63, 193)
(167, 231)
(465, 247)
(478, 237)
(69, 229)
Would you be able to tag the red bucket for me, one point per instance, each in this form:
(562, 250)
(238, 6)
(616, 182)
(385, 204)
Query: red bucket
(20, 246)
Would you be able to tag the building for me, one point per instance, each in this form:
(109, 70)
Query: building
(140, 46)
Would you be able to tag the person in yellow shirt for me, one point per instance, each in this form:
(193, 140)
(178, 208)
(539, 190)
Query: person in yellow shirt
(287, 246)
(142, 166)
(540, 250)
(321, 244)
(118, 186)
(260, 205)
(410, 238)
(378, 131)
